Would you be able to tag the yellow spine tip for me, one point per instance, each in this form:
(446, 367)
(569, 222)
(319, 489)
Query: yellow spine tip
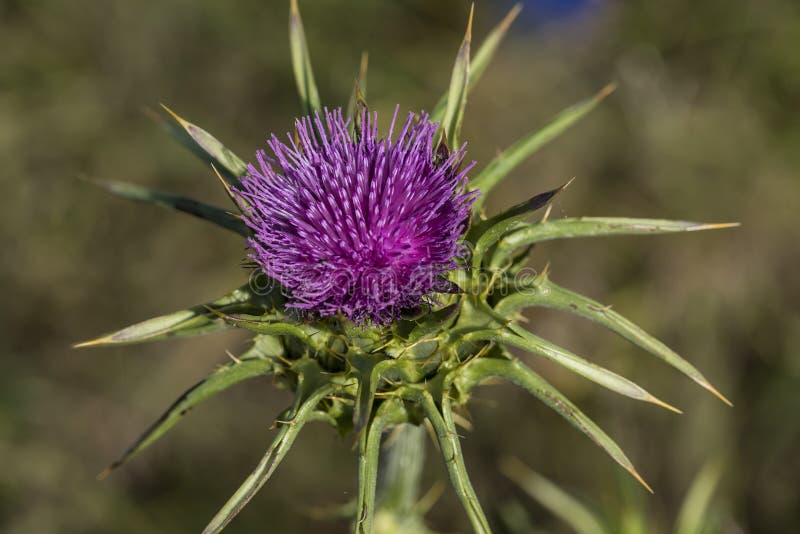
(717, 394)
(174, 115)
(512, 14)
(659, 402)
(641, 481)
(718, 226)
(224, 183)
(102, 475)
(605, 91)
(92, 342)
(468, 34)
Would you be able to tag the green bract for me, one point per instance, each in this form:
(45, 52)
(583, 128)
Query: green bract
(367, 381)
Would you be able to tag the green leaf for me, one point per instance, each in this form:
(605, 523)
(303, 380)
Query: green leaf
(191, 321)
(513, 370)
(558, 501)
(301, 63)
(519, 260)
(482, 59)
(693, 517)
(544, 293)
(212, 214)
(450, 449)
(457, 94)
(510, 158)
(491, 230)
(362, 407)
(519, 337)
(412, 330)
(264, 325)
(297, 417)
(223, 378)
(592, 227)
(372, 373)
(390, 412)
(209, 149)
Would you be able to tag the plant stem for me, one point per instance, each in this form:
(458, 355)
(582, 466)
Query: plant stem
(399, 488)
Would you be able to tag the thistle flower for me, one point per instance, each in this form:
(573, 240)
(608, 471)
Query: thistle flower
(359, 225)
(327, 211)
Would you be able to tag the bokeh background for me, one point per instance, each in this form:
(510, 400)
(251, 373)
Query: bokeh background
(703, 127)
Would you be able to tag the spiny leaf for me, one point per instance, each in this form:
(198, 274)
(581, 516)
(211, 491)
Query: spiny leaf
(592, 227)
(558, 501)
(482, 59)
(513, 370)
(405, 370)
(457, 94)
(415, 329)
(693, 517)
(519, 260)
(211, 150)
(435, 322)
(297, 417)
(390, 412)
(301, 63)
(362, 408)
(225, 377)
(191, 321)
(545, 293)
(510, 158)
(213, 214)
(273, 326)
(450, 449)
(519, 337)
(491, 230)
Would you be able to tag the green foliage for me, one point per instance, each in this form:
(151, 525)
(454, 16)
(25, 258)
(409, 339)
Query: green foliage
(545, 293)
(243, 368)
(201, 210)
(204, 145)
(422, 370)
(483, 57)
(562, 504)
(301, 63)
(501, 166)
(200, 319)
(696, 515)
(457, 94)
(518, 373)
(516, 336)
(311, 391)
(591, 227)
(492, 230)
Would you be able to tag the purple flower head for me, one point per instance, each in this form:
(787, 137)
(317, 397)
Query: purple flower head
(364, 226)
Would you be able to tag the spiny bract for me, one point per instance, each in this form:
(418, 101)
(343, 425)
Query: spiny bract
(310, 213)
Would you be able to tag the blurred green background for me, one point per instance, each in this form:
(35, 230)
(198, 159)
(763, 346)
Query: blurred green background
(703, 127)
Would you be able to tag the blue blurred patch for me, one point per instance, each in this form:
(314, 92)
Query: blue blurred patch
(541, 12)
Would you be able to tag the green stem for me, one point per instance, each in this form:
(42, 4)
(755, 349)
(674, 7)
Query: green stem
(399, 489)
